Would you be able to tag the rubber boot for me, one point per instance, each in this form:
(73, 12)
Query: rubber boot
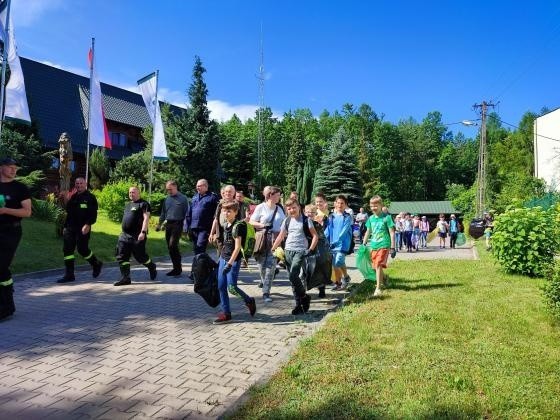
(69, 274)
(95, 265)
(152, 269)
(125, 275)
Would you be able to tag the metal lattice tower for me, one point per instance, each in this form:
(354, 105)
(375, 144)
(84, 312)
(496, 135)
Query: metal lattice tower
(260, 119)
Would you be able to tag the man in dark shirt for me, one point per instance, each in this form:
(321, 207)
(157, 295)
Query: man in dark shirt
(172, 216)
(201, 215)
(81, 210)
(15, 203)
(132, 239)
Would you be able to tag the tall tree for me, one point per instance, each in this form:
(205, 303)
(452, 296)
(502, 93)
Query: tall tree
(338, 172)
(194, 145)
(237, 153)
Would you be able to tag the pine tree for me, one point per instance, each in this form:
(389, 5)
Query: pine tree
(194, 144)
(338, 172)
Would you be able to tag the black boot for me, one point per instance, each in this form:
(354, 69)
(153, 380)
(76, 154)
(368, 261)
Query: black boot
(298, 309)
(69, 274)
(322, 293)
(95, 265)
(125, 275)
(152, 269)
(305, 303)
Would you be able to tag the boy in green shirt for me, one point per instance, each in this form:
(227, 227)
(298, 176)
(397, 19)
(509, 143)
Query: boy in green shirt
(381, 229)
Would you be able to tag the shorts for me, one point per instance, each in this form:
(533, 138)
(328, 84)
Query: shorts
(442, 234)
(339, 259)
(379, 257)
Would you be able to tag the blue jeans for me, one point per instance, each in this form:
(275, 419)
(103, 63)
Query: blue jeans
(398, 241)
(228, 283)
(424, 238)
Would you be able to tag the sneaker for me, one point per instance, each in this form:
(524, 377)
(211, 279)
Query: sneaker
(223, 318)
(174, 273)
(267, 298)
(305, 303)
(153, 272)
(377, 293)
(322, 293)
(298, 310)
(336, 286)
(252, 306)
(125, 281)
(345, 282)
(97, 269)
(66, 279)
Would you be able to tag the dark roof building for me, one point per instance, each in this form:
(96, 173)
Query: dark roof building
(58, 102)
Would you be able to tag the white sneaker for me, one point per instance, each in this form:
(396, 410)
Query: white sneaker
(377, 293)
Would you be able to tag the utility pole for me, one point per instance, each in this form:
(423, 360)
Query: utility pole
(482, 159)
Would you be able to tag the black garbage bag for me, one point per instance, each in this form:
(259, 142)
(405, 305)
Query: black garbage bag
(476, 228)
(318, 267)
(205, 276)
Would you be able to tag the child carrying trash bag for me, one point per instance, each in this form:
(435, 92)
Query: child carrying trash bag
(380, 231)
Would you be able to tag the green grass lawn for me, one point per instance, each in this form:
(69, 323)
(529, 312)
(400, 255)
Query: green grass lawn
(41, 249)
(450, 339)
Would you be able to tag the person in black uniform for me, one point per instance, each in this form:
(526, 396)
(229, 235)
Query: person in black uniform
(15, 203)
(81, 210)
(132, 239)
(172, 216)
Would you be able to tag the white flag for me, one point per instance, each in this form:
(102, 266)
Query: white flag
(97, 128)
(148, 89)
(16, 107)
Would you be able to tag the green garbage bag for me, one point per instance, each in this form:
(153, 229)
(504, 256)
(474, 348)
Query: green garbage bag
(363, 263)
(461, 239)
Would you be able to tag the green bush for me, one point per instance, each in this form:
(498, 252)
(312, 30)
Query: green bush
(156, 201)
(45, 210)
(113, 198)
(524, 240)
(551, 291)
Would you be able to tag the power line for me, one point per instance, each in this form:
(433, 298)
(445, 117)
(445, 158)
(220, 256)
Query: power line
(520, 129)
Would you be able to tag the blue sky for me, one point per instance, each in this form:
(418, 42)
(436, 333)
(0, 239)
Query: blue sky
(403, 58)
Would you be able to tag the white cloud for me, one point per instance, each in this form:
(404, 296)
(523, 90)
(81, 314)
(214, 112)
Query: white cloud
(27, 12)
(223, 111)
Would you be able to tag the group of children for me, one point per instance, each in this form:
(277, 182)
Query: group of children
(412, 231)
(299, 237)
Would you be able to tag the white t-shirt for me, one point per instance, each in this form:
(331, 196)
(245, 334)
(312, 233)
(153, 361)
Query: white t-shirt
(263, 214)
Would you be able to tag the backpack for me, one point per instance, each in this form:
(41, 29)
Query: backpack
(205, 275)
(249, 245)
(306, 230)
(352, 242)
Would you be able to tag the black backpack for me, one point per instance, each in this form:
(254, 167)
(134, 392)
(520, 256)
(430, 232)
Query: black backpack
(205, 275)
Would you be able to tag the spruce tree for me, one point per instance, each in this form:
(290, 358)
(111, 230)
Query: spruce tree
(194, 144)
(338, 172)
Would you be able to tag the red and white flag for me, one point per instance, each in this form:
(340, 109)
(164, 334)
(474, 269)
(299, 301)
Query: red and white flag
(97, 128)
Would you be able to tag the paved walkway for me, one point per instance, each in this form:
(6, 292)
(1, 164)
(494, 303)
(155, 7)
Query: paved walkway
(434, 252)
(91, 350)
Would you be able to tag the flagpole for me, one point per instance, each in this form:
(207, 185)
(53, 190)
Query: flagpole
(153, 137)
(90, 108)
(4, 65)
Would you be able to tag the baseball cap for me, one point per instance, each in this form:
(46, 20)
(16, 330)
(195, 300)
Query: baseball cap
(8, 161)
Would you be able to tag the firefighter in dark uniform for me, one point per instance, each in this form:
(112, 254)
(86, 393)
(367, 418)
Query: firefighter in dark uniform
(132, 239)
(81, 210)
(15, 203)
